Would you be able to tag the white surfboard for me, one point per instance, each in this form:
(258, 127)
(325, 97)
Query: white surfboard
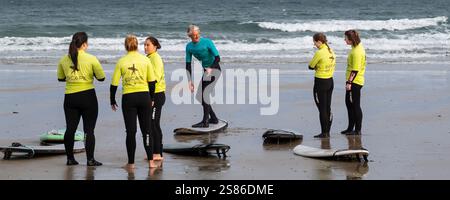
(313, 152)
(188, 130)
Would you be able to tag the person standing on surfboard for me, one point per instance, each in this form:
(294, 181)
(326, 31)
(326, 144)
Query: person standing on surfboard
(204, 50)
(138, 83)
(151, 47)
(356, 67)
(323, 63)
(78, 70)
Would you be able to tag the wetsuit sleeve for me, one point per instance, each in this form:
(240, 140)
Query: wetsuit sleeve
(189, 70)
(334, 59)
(215, 64)
(352, 77)
(116, 75)
(158, 68)
(213, 48)
(356, 61)
(112, 94)
(312, 64)
(98, 70)
(60, 73)
(150, 72)
(188, 54)
(355, 67)
(152, 86)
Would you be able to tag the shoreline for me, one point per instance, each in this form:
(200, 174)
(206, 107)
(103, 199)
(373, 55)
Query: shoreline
(404, 124)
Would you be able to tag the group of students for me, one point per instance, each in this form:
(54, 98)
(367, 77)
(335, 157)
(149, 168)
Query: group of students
(144, 85)
(324, 62)
(143, 96)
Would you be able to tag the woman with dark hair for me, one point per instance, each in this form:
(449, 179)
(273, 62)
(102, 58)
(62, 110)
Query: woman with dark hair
(323, 62)
(151, 47)
(78, 70)
(138, 83)
(356, 66)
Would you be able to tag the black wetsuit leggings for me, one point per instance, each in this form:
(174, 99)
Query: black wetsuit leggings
(206, 91)
(353, 103)
(138, 105)
(76, 105)
(160, 99)
(323, 90)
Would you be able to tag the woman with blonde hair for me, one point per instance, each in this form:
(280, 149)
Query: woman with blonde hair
(138, 84)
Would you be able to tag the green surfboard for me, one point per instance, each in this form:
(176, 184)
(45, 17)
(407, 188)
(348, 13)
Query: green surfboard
(57, 136)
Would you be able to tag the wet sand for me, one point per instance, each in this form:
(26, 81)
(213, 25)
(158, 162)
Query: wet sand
(405, 127)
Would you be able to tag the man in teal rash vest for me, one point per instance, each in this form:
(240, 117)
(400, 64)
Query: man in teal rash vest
(204, 50)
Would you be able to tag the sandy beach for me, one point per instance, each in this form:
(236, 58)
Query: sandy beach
(405, 127)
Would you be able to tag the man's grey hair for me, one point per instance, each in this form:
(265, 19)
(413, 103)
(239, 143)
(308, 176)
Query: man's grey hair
(192, 28)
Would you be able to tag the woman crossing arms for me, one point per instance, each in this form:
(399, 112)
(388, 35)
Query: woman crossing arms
(323, 62)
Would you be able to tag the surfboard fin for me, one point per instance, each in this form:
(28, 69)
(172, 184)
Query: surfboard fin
(365, 158)
(7, 155)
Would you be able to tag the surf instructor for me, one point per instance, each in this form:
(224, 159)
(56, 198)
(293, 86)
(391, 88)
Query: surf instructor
(78, 70)
(205, 51)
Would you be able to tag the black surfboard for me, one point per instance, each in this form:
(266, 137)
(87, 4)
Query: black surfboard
(197, 150)
(280, 136)
(17, 149)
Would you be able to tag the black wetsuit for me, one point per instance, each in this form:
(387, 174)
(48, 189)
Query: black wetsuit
(207, 86)
(323, 90)
(353, 103)
(160, 99)
(76, 105)
(203, 95)
(136, 105)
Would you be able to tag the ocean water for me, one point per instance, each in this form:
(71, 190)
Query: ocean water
(245, 31)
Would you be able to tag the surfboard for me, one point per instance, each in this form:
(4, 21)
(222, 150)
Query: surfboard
(213, 128)
(313, 152)
(57, 136)
(31, 151)
(198, 149)
(279, 136)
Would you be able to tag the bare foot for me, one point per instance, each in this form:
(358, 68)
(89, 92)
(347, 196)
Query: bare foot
(157, 157)
(129, 166)
(151, 164)
(160, 164)
(151, 171)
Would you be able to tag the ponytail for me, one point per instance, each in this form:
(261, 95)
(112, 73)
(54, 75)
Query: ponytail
(73, 54)
(78, 39)
(329, 50)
